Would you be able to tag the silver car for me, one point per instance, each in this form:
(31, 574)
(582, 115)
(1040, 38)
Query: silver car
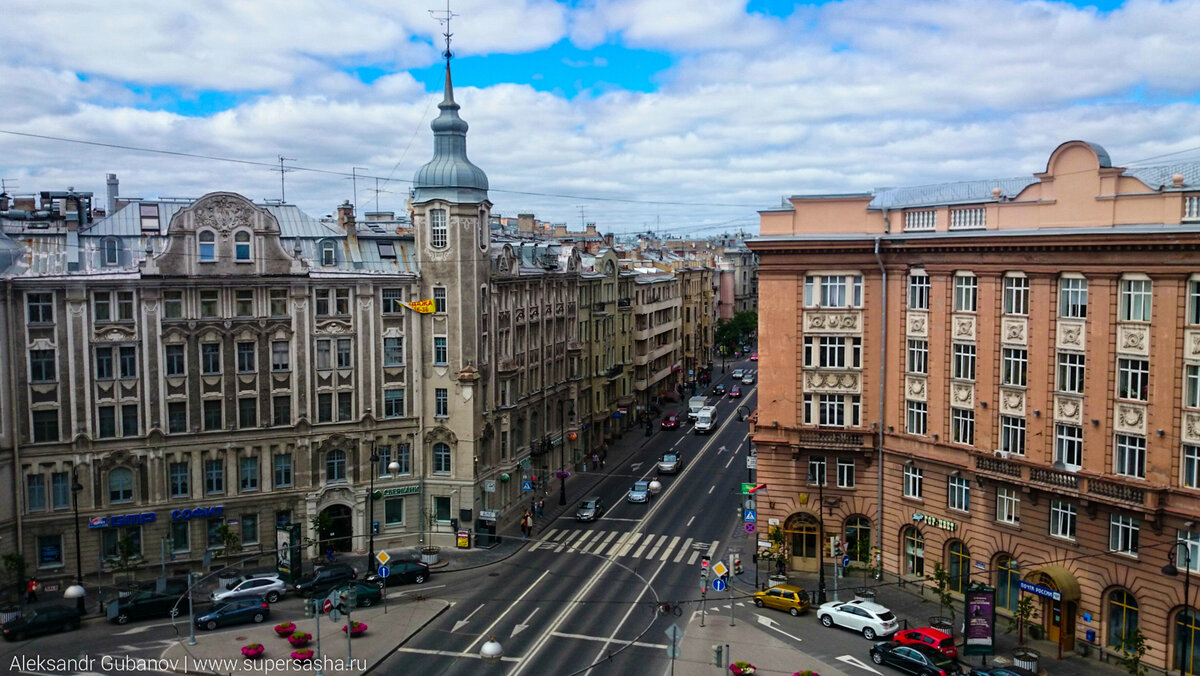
(267, 585)
(670, 463)
(590, 509)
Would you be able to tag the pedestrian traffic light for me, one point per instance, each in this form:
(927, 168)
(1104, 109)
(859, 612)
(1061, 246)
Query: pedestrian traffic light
(718, 655)
(737, 566)
(704, 562)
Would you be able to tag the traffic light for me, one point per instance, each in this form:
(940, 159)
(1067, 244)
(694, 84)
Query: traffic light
(718, 655)
(737, 566)
(704, 562)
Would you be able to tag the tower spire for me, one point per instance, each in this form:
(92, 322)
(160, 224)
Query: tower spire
(444, 17)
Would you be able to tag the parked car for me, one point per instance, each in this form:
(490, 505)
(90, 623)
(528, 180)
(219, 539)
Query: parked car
(640, 492)
(670, 463)
(402, 572)
(367, 593)
(670, 422)
(42, 621)
(783, 597)
(326, 578)
(145, 604)
(171, 586)
(748, 379)
(920, 660)
(737, 374)
(590, 509)
(928, 636)
(735, 392)
(267, 585)
(867, 617)
(235, 611)
(1001, 671)
(719, 389)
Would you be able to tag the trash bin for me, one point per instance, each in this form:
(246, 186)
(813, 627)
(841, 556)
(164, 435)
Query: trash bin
(942, 623)
(864, 593)
(429, 554)
(1026, 658)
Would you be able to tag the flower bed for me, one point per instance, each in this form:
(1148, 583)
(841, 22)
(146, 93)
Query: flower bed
(304, 655)
(300, 639)
(738, 668)
(285, 629)
(253, 651)
(355, 628)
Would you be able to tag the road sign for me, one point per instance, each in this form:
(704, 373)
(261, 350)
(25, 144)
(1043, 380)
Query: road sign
(335, 615)
(751, 462)
(749, 526)
(750, 502)
(674, 633)
(526, 486)
(384, 571)
(749, 515)
(746, 488)
(718, 584)
(383, 557)
(327, 606)
(845, 560)
(719, 569)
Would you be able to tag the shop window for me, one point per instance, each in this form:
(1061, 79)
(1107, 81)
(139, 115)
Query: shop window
(914, 552)
(1008, 582)
(1122, 620)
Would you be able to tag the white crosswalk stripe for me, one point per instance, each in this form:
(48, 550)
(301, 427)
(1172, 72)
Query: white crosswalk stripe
(617, 544)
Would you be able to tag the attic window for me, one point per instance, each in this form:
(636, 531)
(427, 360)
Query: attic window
(149, 216)
(112, 251)
(328, 254)
(386, 250)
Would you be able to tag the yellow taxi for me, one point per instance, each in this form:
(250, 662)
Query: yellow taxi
(783, 597)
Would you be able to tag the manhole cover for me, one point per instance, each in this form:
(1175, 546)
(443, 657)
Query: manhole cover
(493, 574)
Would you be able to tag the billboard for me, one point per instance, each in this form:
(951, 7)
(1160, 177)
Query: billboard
(980, 625)
(289, 559)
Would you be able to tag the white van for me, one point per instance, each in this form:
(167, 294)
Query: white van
(706, 420)
(694, 406)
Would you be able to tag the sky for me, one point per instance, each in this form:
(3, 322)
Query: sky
(683, 117)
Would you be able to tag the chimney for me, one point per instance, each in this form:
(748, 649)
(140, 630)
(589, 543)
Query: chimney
(591, 230)
(525, 223)
(110, 205)
(345, 217)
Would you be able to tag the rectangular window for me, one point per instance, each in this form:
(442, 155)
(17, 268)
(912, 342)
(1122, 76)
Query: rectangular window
(325, 407)
(393, 512)
(1016, 296)
(45, 426)
(35, 493)
(1193, 302)
(281, 410)
(247, 412)
(918, 356)
(281, 359)
(440, 355)
(49, 551)
(393, 403)
(964, 361)
(441, 402)
(102, 306)
(175, 363)
(1191, 385)
(172, 304)
(1012, 434)
(210, 300)
(282, 470)
(1135, 300)
(129, 420)
(845, 472)
(1133, 379)
(1073, 297)
(343, 353)
(214, 477)
(918, 291)
(438, 233)
(439, 299)
(279, 302)
(214, 533)
(212, 415)
(913, 476)
(962, 426)
(404, 457)
(385, 458)
(210, 358)
(1191, 539)
(1070, 372)
(916, 417)
(1008, 505)
(111, 538)
(1123, 534)
(176, 417)
(243, 303)
(959, 494)
(125, 306)
(149, 218)
(40, 308)
(1014, 365)
(345, 405)
(181, 537)
(104, 363)
(1068, 446)
(1191, 466)
(1130, 456)
(1062, 519)
(341, 301)
(106, 422)
(966, 293)
(41, 366)
(248, 474)
(245, 357)
(392, 299)
(441, 459)
(60, 490)
(128, 361)
(322, 304)
(324, 354)
(249, 529)
(393, 351)
(179, 479)
(817, 475)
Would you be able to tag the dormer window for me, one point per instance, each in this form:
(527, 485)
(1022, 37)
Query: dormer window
(387, 249)
(112, 251)
(148, 215)
(241, 246)
(328, 254)
(208, 247)
(438, 234)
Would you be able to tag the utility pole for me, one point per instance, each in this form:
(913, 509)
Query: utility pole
(730, 588)
(354, 182)
(378, 190)
(282, 171)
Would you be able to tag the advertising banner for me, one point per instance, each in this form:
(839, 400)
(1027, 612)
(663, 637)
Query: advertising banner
(980, 629)
(289, 561)
(425, 307)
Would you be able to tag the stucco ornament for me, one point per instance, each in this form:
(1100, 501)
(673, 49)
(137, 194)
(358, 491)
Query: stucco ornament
(223, 214)
(1134, 340)
(1071, 334)
(964, 327)
(916, 387)
(1131, 416)
(832, 321)
(1191, 426)
(916, 325)
(1068, 408)
(1014, 331)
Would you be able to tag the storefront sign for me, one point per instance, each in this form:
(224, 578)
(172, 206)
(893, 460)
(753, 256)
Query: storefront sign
(1040, 590)
(936, 522)
(488, 515)
(197, 513)
(121, 520)
(402, 490)
(980, 626)
(463, 539)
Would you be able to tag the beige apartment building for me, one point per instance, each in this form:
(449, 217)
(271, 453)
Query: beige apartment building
(1001, 378)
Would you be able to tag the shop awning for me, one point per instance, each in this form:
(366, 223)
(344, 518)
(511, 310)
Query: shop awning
(1063, 580)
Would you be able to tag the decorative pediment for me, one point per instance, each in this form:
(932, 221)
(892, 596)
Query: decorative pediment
(333, 327)
(335, 441)
(440, 433)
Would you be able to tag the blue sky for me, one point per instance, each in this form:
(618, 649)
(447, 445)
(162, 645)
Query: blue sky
(687, 115)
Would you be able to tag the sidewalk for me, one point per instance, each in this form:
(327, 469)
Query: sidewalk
(748, 642)
(219, 653)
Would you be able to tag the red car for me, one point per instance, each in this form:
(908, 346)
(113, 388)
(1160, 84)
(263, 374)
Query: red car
(754, 357)
(670, 422)
(928, 636)
(735, 392)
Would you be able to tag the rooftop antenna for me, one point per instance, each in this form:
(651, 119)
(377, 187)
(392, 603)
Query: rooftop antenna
(377, 190)
(582, 225)
(282, 171)
(443, 18)
(7, 184)
(354, 179)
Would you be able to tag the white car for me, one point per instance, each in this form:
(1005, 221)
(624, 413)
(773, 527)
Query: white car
(748, 379)
(737, 374)
(259, 584)
(870, 618)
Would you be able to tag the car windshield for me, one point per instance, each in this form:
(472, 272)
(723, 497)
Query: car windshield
(670, 457)
(641, 486)
(887, 616)
(587, 504)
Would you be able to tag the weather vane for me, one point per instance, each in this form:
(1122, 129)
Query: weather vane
(443, 17)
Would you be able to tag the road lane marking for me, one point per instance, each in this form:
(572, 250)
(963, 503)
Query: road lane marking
(774, 626)
(732, 457)
(448, 653)
(710, 488)
(490, 627)
(601, 545)
(684, 549)
(689, 523)
(637, 554)
(459, 625)
(522, 626)
(854, 660)
(584, 637)
(144, 627)
(616, 545)
(656, 547)
(580, 540)
(712, 549)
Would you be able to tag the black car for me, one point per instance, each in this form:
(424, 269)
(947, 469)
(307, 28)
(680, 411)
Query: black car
(719, 388)
(326, 578)
(237, 611)
(920, 660)
(1001, 671)
(402, 572)
(146, 604)
(42, 621)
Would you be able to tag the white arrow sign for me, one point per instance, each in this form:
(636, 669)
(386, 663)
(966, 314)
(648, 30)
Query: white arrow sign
(771, 624)
(522, 626)
(856, 662)
(459, 625)
(635, 466)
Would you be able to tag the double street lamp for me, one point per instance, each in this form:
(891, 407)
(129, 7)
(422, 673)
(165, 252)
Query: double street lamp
(1170, 569)
(77, 590)
(371, 508)
(819, 479)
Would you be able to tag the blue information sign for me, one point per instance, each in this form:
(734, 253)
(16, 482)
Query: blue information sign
(845, 560)
(749, 515)
(526, 486)
(718, 584)
(383, 571)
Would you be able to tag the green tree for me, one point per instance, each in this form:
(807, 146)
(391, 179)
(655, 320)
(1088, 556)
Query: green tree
(1020, 618)
(1134, 647)
(231, 542)
(322, 525)
(941, 586)
(14, 574)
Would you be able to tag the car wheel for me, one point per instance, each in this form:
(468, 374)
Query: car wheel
(19, 636)
(758, 602)
(827, 620)
(366, 602)
(259, 617)
(273, 597)
(123, 618)
(210, 625)
(794, 611)
(869, 633)
(876, 657)
(419, 579)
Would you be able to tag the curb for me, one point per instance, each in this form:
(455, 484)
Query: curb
(446, 606)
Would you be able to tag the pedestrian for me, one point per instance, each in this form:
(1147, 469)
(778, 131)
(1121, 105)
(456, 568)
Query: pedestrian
(596, 460)
(779, 566)
(31, 591)
(603, 457)
(541, 507)
(585, 463)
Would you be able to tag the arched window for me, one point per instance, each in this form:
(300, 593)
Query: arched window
(241, 246)
(438, 233)
(959, 566)
(1122, 619)
(858, 538)
(335, 466)
(208, 246)
(1187, 633)
(1008, 582)
(328, 254)
(914, 552)
(120, 485)
(112, 251)
(485, 229)
(441, 458)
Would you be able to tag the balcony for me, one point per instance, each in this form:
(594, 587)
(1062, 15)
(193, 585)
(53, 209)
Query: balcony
(1075, 484)
(998, 466)
(1116, 491)
(574, 346)
(507, 365)
(831, 439)
(624, 304)
(1052, 477)
(615, 371)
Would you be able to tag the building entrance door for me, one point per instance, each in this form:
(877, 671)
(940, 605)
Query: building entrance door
(803, 532)
(338, 534)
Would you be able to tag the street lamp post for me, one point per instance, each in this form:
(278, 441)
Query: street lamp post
(1171, 570)
(820, 481)
(371, 509)
(76, 487)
